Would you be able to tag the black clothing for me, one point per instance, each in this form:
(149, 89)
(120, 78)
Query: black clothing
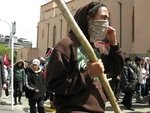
(128, 81)
(40, 105)
(68, 78)
(35, 81)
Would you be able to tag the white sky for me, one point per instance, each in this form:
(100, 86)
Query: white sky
(26, 13)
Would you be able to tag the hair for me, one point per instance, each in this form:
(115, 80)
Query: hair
(93, 8)
(127, 59)
(20, 62)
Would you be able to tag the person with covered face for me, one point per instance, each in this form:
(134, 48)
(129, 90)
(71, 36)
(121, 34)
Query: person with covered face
(70, 74)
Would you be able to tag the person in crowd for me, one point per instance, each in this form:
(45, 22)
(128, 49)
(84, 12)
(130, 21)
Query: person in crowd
(26, 65)
(2, 78)
(128, 81)
(35, 83)
(115, 85)
(147, 68)
(7, 82)
(144, 91)
(42, 63)
(70, 74)
(49, 95)
(19, 80)
(138, 71)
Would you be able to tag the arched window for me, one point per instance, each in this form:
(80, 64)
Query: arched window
(54, 35)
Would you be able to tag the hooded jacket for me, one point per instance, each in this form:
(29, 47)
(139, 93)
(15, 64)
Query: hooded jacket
(67, 76)
(35, 80)
(19, 72)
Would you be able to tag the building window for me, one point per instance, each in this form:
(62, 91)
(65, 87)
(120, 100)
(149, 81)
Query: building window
(54, 35)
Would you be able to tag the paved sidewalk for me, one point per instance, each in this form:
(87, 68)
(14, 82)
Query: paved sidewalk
(139, 108)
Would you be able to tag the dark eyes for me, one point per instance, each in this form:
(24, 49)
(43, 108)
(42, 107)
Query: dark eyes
(104, 17)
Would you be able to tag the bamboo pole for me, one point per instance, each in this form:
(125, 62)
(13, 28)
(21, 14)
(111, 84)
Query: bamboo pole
(89, 50)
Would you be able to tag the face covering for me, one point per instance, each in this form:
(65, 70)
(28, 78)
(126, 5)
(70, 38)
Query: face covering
(97, 30)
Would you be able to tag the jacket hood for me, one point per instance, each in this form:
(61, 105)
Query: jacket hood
(81, 19)
(16, 63)
(38, 71)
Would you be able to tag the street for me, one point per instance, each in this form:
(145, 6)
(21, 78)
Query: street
(24, 108)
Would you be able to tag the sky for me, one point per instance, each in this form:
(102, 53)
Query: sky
(26, 14)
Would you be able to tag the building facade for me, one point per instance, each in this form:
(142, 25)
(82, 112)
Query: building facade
(129, 18)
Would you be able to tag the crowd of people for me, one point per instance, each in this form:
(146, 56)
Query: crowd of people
(28, 78)
(70, 80)
(135, 79)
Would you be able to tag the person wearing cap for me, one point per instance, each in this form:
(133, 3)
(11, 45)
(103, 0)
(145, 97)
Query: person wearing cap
(138, 70)
(128, 81)
(35, 83)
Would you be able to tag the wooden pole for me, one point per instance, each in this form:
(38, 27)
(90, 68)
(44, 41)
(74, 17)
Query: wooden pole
(89, 50)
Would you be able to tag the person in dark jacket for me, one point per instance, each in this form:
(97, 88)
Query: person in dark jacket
(35, 83)
(128, 82)
(70, 74)
(19, 80)
(2, 78)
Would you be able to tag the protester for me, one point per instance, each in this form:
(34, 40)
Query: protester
(144, 91)
(115, 84)
(26, 65)
(42, 63)
(19, 80)
(138, 70)
(49, 95)
(128, 81)
(71, 77)
(2, 78)
(7, 82)
(36, 90)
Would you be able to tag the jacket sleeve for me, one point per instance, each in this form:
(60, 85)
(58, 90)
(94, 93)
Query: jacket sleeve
(113, 62)
(124, 76)
(29, 83)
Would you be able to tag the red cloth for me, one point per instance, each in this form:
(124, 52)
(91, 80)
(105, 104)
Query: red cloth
(44, 73)
(6, 60)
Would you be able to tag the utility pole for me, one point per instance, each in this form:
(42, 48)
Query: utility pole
(12, 60)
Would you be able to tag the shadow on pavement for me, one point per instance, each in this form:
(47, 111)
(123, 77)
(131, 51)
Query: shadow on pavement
(25, 109)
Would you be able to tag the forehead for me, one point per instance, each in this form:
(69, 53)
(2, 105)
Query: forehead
(34, 65)
(103, 11)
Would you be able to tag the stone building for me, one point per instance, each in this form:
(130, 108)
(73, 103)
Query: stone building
(130, 18)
